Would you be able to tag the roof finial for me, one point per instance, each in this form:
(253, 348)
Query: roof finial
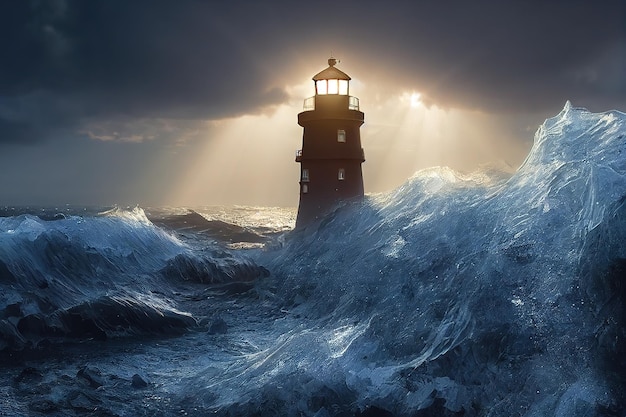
(332, 61)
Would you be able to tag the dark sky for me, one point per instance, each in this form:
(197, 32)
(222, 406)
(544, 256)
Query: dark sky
(102, 101)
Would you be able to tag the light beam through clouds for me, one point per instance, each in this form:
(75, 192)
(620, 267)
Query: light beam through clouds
(249, 160)
(402, 135)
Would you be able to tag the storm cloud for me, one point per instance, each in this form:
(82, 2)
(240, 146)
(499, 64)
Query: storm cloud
(66, 63)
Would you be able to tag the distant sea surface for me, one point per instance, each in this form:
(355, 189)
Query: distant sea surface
(237, 225)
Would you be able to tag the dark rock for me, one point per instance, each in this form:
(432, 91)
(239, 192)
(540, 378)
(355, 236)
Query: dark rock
(139, 381)
(95, 318)
(91, 375)
(374, 411)
(32, 326)
(82, 327)
(44, 406)
(29, 375)
(5, 275)
(218, 326)
(12, 310)
(81, 401)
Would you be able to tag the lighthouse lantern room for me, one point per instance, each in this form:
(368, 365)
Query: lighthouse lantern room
(331, 155)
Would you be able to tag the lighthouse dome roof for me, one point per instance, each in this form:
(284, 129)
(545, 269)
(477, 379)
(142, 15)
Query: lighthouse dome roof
(331, 73)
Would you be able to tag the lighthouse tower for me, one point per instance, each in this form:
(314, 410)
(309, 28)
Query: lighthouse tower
(331, 155)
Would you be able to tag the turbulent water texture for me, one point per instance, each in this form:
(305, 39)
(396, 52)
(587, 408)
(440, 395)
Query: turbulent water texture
(77, 277)
(450, 296)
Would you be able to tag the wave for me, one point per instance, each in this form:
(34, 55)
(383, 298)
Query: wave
(485, 296)
(100, 276)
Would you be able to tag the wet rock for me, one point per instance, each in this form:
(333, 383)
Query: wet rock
(12, 310)
(322, 412)
(44, 406)
(29, 382)
(374, 411)
(32, 326)
(91, 376)
(218, 326)
(139, 381)
(28, 375)
(5, 274)
(81, 401)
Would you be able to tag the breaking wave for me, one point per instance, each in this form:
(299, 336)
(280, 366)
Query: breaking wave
(98, 277)
(455, 296)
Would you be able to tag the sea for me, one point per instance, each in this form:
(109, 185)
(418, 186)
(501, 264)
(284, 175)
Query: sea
(485, 294)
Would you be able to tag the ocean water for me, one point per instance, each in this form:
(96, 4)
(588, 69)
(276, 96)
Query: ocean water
(453, 295)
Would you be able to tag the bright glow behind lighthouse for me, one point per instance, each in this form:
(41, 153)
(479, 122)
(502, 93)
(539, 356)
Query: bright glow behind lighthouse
(402, 134)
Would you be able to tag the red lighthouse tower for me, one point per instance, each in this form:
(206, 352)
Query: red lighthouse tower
(331, 155)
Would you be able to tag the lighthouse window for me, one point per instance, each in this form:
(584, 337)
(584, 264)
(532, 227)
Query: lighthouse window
(321, 86)
(333, 86)
(305, 188)
(341, 135)
(342, 174)
(305, 174)
(343, 87)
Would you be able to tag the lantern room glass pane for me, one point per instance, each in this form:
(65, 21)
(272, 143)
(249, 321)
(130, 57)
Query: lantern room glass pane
(333, 87)
(321, 87)
(343, 87)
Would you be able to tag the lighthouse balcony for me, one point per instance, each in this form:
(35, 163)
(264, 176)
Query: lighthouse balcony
(353, 103)
(309, 103)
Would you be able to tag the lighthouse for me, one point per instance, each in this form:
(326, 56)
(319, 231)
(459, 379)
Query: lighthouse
(331, 155)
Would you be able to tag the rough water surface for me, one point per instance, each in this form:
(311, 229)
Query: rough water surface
(452, 295)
